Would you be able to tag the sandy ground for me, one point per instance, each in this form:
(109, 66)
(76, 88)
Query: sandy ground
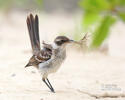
(89, 76)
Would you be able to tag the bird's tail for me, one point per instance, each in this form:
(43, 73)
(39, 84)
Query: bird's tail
(33, 28)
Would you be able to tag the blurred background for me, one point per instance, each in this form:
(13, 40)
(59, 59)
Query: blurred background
(102, 54)
(102, 20)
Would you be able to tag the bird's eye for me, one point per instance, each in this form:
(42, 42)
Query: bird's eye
(62, 41)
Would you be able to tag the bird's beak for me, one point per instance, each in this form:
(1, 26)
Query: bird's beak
(72, 41)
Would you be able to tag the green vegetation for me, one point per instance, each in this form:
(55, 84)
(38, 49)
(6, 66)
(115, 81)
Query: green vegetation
(101, 14)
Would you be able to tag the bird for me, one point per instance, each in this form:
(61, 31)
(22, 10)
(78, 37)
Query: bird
(49, 58)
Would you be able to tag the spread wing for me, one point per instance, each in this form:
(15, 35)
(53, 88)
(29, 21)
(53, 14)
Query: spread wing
(33, 28)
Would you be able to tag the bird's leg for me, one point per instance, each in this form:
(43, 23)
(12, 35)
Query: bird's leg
(50, 85)
(47, 85)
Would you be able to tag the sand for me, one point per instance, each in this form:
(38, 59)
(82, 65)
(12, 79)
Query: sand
(83, 76)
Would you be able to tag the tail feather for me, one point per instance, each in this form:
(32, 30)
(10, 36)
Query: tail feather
(37, 27)
(33, 28)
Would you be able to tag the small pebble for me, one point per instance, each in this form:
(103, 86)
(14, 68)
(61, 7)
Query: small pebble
(13, 75)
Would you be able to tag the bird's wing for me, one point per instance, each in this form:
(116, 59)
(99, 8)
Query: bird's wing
(44, 55)
(41, 57)
(33, 28)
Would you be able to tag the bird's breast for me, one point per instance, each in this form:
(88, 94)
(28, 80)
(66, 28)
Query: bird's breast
(59, 58)
(54, 63)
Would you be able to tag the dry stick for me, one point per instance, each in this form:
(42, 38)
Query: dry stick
(83, 42)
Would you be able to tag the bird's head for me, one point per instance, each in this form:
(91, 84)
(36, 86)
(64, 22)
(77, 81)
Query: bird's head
(62, 41)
